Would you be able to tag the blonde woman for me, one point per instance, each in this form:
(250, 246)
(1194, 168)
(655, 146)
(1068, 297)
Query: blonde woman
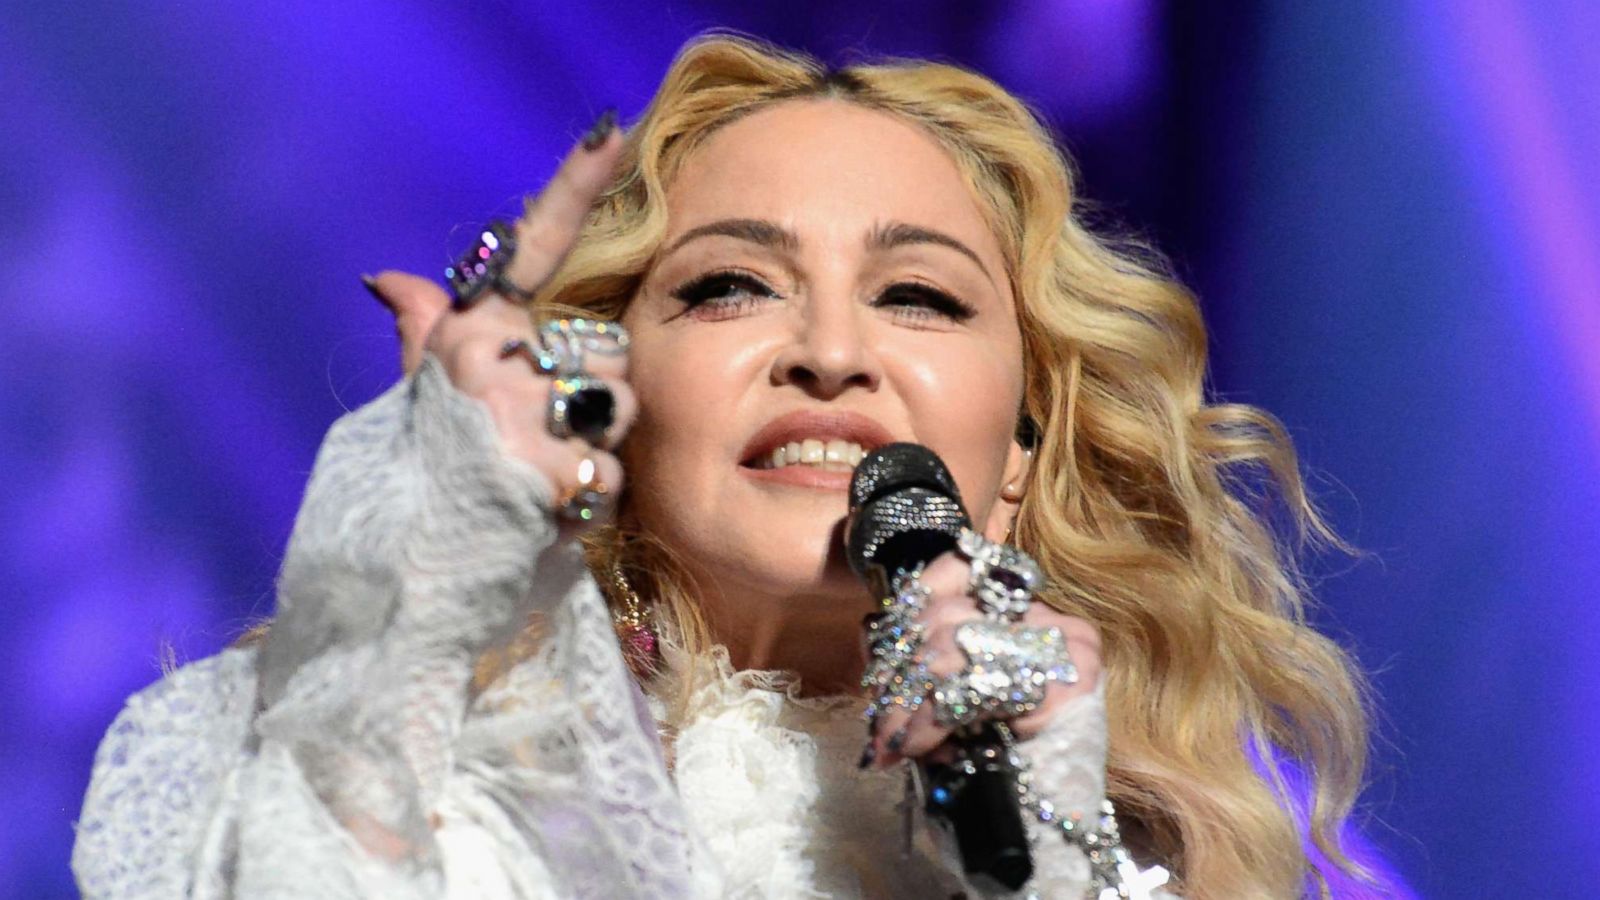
(809, 264)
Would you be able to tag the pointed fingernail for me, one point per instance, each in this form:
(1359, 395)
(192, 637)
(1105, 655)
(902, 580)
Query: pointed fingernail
(371, 284)
(897, 741)
(867, 756)
(600, 130)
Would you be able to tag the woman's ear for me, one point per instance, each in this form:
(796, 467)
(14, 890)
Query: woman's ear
(1013, 487)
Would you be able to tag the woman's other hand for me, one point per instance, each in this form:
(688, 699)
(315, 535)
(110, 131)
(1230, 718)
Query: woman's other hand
(950, 604)
(468, 342)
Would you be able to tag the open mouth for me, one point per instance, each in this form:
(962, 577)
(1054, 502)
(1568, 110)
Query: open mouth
(812, 448)
(834, 455)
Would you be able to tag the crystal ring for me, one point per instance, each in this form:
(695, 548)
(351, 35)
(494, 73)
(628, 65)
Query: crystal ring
(596, 336)
(1009, 666)
(581, 406)
(1003, 578)
(483, 267)
(563, 344)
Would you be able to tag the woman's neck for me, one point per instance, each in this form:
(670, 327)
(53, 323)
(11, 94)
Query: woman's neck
(817, 637)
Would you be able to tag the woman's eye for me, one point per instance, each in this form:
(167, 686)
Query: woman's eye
(916, 302)
(722, 294)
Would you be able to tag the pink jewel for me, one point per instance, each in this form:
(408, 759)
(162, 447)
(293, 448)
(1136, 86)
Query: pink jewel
(641, 640)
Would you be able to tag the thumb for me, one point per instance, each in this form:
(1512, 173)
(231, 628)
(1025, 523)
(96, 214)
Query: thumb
(417, 304)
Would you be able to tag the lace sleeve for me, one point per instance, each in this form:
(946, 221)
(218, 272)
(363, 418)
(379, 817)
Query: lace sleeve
(351, 756)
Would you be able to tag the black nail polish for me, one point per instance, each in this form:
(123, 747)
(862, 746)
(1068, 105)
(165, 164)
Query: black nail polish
(600, 130)
(867, 756)
(897, 741)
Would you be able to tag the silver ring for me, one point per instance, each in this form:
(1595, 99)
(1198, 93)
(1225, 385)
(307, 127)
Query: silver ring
(482, 268)
(1009, 666)
(543, 360)
(568, 340)
(594, 335)
(1003, 579)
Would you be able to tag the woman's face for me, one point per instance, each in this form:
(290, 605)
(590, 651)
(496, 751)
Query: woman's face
(827, 285)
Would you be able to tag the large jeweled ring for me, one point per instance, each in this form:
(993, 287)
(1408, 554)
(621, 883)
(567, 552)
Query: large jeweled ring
(582, 406)
(1009, 666)
(587, 500)
(1003, 578)
(483, 267)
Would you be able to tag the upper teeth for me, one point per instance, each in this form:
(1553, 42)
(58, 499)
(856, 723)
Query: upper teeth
(813, 452)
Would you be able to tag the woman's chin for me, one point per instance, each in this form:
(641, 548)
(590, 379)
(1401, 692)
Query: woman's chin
(804, 562)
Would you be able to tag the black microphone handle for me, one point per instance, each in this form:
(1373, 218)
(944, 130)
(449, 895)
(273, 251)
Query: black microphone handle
(982, 809)
(906, 511)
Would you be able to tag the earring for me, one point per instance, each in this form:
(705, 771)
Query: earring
(640, 647)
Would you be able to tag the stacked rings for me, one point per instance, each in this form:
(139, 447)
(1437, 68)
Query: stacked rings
(1009, 665)
(580, 404)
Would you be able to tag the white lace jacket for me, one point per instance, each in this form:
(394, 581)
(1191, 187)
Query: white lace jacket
(350, 755)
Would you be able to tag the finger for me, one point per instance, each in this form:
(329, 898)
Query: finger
(948, 573)
(417, 304)
(888, 729)
(1082, 640)
(594, 469)
(520, 404)
(474, 347)
(499, 320)
(1086, 664)
(551, 222)
(918, 736)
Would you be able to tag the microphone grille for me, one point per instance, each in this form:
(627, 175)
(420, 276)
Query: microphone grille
(894, 467)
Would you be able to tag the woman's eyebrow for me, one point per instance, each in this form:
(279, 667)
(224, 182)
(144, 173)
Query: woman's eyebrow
(898, 234)
(756, 231)
(884, 236)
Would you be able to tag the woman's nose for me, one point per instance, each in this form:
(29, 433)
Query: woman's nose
(829, 352)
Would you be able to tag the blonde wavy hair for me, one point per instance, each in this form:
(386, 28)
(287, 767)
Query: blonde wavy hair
(1146, 507)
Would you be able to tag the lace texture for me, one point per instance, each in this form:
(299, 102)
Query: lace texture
(352, 756)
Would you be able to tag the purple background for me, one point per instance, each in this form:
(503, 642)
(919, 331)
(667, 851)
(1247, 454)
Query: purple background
(1389, 211)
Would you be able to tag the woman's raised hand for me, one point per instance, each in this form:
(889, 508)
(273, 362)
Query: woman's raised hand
(470, 341)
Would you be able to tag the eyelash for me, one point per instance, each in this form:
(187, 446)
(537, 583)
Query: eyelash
(708, 297)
